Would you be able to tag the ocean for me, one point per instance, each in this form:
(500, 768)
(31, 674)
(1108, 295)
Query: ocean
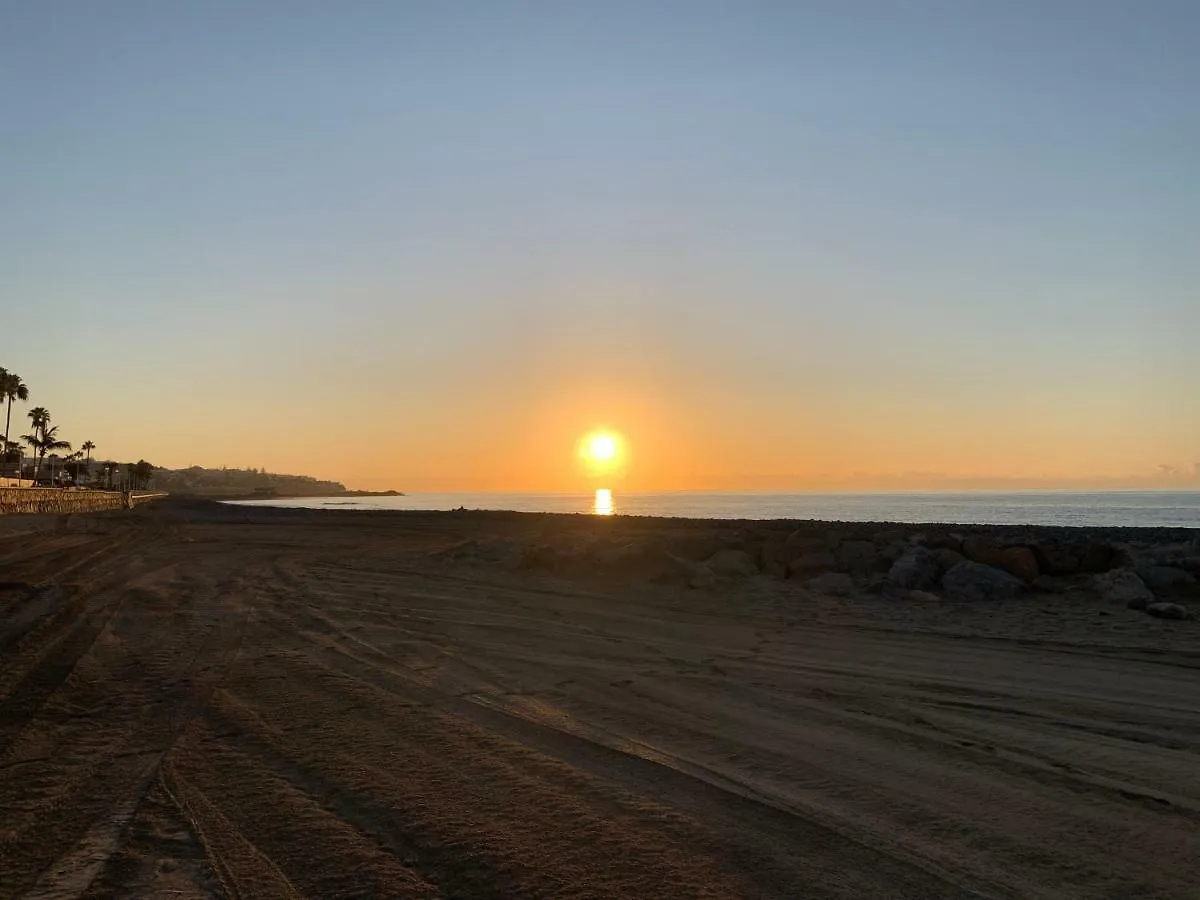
(1157, 509)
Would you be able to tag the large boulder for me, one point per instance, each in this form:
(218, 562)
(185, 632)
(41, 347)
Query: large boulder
(695, 546)
(1165, 577)
(944, 541)
(977, 546)
(915, 569)
(811, 564)
(857, 556)
(978, 582)
(732, 562)
(643, 560)
(772, 555)
(839, 584)
(946, 558)
(1055, 561)
(1020, 562)
(1123, 586)
(1101, 556)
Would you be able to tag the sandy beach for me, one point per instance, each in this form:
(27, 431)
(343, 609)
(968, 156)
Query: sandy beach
(207, 701)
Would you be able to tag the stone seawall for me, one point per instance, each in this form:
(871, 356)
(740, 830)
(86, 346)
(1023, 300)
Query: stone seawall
(55, 500)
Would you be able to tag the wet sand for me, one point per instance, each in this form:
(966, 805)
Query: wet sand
(206, 701)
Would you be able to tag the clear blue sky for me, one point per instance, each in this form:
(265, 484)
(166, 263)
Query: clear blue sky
(407, 241)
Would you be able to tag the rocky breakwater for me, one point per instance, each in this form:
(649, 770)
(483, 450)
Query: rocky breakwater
(60, 501)
(1155, 571)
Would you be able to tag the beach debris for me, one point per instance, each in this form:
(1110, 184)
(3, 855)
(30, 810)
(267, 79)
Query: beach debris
(978, 582)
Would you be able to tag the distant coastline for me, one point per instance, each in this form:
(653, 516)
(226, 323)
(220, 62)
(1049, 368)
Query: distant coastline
(267, 494)
(251, 484)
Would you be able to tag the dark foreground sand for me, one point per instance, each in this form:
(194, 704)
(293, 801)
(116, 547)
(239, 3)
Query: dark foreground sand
(199, 701)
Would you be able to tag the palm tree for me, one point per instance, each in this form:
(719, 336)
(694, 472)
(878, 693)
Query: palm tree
(11, 388)
(89, 446)
(142, 472)
(11, 453)
(45, 441)
(39, 418)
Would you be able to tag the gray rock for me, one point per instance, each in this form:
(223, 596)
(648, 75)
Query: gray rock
(978, 546)
(947, 559)
(1053, 561)
(732, 562)
(976, 582)
(916, 568)
(1123, 586)
(1101, 556)
(1168, 611)
(945, 541)
(774, 567)
(646, 560)
(1165, 577)
(838, 584)
(694, 547)
(857, 556)
(812, 563)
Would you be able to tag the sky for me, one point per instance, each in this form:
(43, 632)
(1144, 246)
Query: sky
(427, 246)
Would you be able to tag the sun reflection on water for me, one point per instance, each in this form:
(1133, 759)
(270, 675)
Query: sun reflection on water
(603, 505)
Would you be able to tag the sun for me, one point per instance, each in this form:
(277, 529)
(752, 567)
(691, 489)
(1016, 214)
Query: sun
(601, 451)
(602, 447)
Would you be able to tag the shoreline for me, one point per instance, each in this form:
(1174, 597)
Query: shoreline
(697, 521)
(315, 504)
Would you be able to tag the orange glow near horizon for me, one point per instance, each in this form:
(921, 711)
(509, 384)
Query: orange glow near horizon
(674, 427)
